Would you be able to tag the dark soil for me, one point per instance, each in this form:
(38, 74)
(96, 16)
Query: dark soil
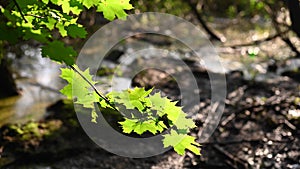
(256, 131)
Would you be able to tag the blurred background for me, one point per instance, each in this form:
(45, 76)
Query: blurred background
(258, 44)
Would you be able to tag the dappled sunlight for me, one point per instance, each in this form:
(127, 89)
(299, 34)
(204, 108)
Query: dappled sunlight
(159, 84)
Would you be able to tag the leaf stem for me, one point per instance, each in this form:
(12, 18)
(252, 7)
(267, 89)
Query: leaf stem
(36, 16)
(22, 15)
(95, 89)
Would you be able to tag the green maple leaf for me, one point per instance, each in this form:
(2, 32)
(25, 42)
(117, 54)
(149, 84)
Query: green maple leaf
(50, 24)
(140, 127)
(76, 7)
(180, 142)
(128, 125)
(113, 8)
(55, 2)
(149, 125)
(172, 111)
(65, 5)
(89, 3)
(184, 123)
(132, 98)
(76, 10)
(80, 89)
(94, 116)
(122, 98)
(76, 82)
(158, 102)
(76, 31)
(61, 28)
(165, 106)
(77, 86)
(57, 51)
(138, 93)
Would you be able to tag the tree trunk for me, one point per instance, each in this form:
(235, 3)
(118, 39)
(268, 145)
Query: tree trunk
(7, 86)
(294, 8)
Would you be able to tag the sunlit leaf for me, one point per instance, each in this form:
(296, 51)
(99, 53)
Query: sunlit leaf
(113, 8)
(65, 5)
(140, 127)
(183, 122)
(51, 23)
(180, 142)
(79, 89)
(89, 3)
(61, 28)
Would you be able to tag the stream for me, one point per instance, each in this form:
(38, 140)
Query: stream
(38, 78)
(39, 82)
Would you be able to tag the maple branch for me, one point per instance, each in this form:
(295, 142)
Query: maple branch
(22, 15)
(95, 89)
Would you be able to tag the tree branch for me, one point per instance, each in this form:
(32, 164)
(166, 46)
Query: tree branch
(286, 39)
(22, 15)
(294, 9)
(36, 16)
(193, 7)
(257, 42)
(95, 89)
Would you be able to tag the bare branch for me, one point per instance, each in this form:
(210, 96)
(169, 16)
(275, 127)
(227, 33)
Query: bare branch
(193, 7)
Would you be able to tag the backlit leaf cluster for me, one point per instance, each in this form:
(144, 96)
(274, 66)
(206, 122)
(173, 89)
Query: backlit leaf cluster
(80, 90)
(143, 111)
(40, 20)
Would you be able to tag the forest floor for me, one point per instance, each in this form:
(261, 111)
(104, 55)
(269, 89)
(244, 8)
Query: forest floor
(258, 130)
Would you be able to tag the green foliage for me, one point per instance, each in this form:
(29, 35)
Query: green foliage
(143, 110)
(89, 3)
(80, 89)
(180, 142)
(113, 8)
(132, 98)
(33, 131)
(66, 54)
(76, 32)
(141, 126)
(40, 19)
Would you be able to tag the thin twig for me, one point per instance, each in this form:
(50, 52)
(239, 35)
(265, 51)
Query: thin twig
(228, 119)
(234, 159)
(36, 16)
(291, 45)
(22, 15)
(194, 9)
(95, 89)
(285, 39)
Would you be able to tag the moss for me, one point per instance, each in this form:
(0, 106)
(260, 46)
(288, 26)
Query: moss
(105, 71)
(31, 133)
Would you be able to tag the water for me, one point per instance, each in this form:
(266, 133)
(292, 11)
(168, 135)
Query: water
(40, 83)
(38, 79)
